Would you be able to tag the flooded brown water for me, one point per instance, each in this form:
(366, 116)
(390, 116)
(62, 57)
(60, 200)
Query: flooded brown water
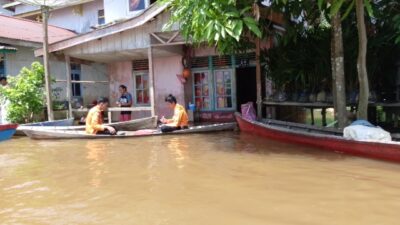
(224, 178)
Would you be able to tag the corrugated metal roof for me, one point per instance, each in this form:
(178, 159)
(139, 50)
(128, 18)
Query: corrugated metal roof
(31, 31)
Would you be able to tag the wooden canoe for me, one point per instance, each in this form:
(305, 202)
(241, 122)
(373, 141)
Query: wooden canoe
(56, 123)
(324, 138)
(143, 123)
(68, 134)
(7, 131)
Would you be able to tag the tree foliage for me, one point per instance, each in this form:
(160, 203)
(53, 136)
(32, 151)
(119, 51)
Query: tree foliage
(226, 24)
(26, 94)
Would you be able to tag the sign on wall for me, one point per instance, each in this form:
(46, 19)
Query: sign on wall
(136, 5)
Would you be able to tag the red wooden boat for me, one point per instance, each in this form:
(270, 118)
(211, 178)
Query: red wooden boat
(325, 138)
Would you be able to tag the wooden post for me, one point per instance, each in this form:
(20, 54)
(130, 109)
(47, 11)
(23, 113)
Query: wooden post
(45, 16)
(312, 116)
(323, 114)
(69, 85)
(109, 117)
(151, 80)
(258, 80)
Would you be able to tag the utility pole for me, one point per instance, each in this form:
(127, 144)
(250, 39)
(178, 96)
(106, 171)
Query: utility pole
(45, 16)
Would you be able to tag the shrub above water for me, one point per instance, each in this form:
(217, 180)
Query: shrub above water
(25, 94)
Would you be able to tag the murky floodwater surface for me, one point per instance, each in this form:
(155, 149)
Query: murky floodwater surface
(224, 178)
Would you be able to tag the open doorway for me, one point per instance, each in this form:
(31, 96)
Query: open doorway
(246, 86)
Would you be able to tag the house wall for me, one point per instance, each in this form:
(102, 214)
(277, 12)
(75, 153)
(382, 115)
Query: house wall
(166, 82)
(118, 9)
(73, 19)
(204, 51)
(15, 61)
(121, 73)
(95, 72)
(133, 39)
(25, 56)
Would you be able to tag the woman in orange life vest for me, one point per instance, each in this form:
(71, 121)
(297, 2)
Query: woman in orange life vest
(94, 119)
(179, 120)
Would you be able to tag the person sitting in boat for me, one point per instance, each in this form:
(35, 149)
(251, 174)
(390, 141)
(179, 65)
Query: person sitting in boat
(124, 101)
(179, 120)
(94, 119)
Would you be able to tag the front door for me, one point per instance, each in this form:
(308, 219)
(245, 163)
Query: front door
(246, 87)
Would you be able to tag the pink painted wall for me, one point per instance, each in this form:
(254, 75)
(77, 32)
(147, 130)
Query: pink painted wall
(121, 73)
(166, 82)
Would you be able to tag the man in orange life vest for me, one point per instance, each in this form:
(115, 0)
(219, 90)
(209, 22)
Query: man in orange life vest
(94, 119)
(179, 120)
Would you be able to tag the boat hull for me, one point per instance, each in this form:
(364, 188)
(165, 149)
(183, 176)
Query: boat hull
(66, 134)
(376, 150)
(7, 131)
(65, 122)
(142, 123)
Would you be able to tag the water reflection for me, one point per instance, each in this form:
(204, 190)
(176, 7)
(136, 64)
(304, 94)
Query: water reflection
(97, 157)
(178, 147)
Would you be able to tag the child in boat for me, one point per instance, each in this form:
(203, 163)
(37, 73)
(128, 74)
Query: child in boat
(94, 119)
(179, 120)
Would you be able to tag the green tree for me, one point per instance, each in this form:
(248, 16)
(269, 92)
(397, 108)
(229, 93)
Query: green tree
(232, 25)
(229, 25)
(26, 94)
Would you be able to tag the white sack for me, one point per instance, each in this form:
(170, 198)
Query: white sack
(364, 133)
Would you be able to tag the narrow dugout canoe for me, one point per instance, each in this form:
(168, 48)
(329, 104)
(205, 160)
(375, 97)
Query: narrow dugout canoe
(7, 131)
(68, 134)
(131, 125)
(324, 138)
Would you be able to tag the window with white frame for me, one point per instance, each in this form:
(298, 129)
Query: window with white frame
(141, 88)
